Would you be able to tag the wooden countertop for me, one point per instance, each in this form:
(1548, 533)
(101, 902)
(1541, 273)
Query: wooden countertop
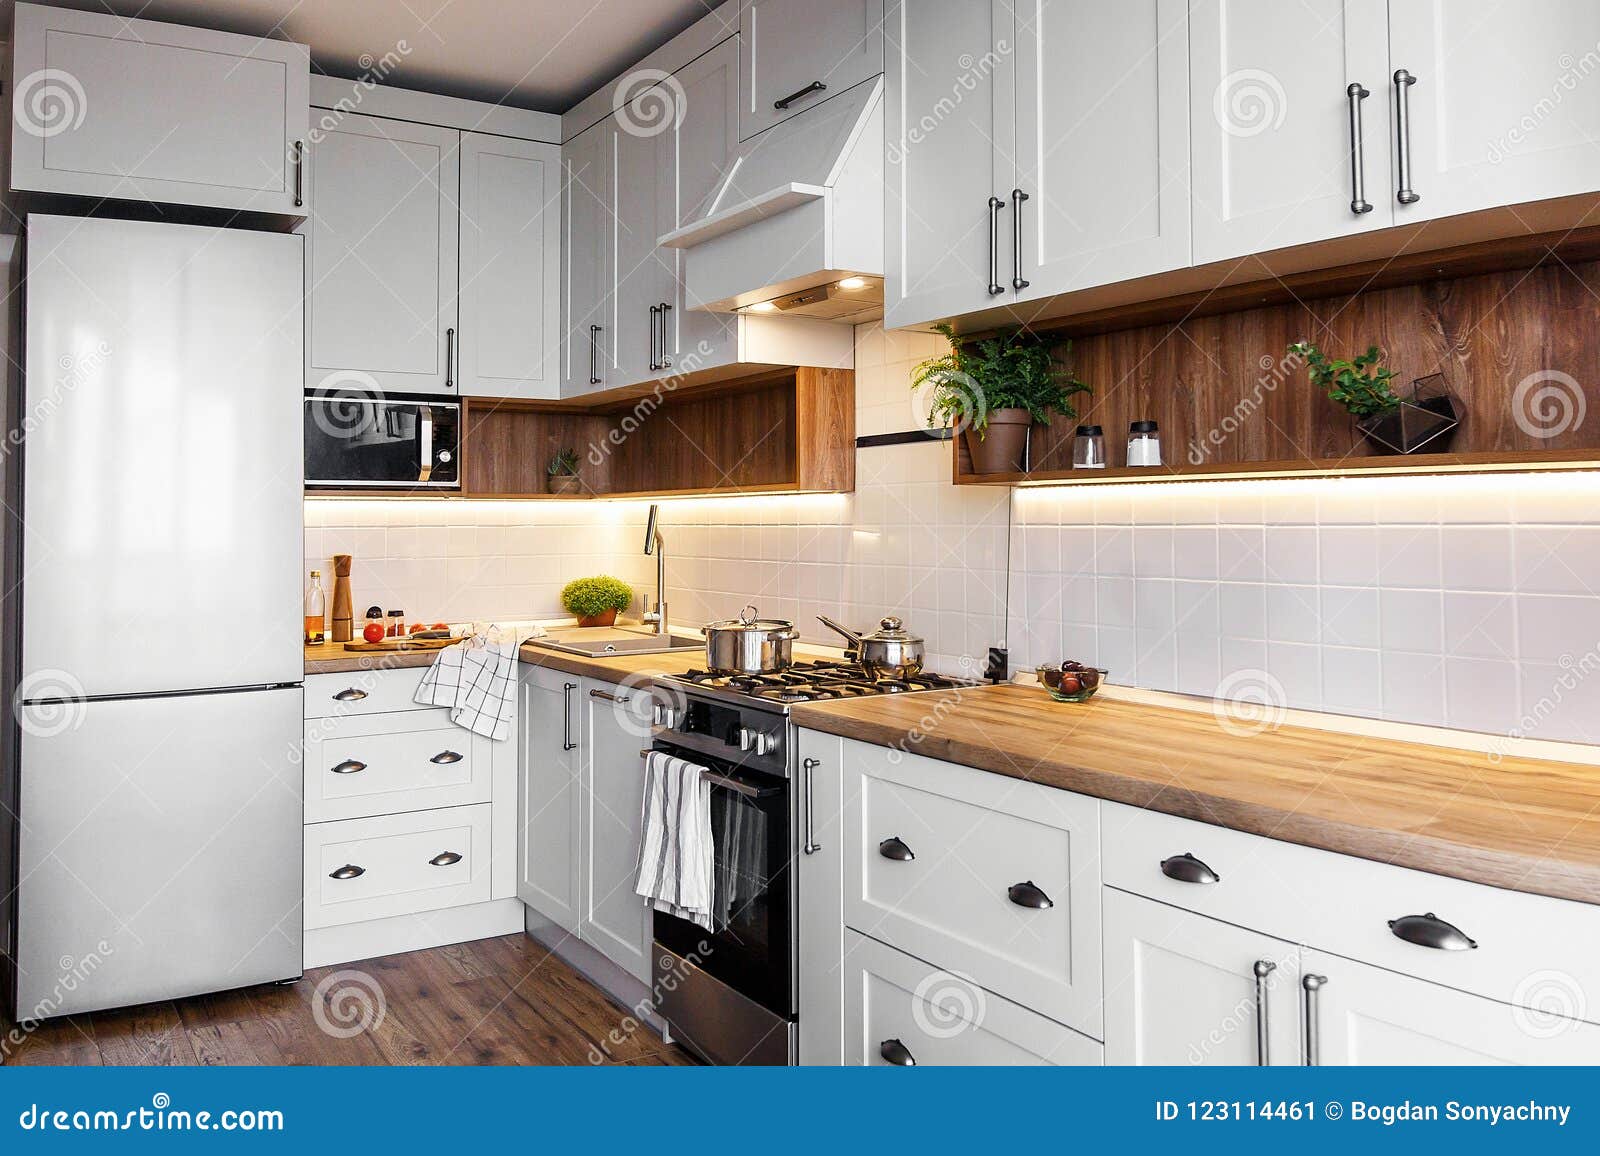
(333, 658)
(1519, 823)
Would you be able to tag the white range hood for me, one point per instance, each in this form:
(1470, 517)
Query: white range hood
(798, 211)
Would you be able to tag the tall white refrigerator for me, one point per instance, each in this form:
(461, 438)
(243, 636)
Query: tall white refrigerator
(154, 763)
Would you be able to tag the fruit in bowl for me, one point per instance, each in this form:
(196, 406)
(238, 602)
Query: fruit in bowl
(1071, 681)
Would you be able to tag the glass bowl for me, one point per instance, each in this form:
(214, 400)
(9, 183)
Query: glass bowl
(1071, 685)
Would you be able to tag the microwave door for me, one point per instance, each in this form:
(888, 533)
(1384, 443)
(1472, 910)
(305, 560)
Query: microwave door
(364, 443)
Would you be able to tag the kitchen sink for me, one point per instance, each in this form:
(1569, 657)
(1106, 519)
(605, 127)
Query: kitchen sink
(603, 642)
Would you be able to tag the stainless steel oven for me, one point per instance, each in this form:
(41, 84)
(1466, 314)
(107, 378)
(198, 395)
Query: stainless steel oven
(359, 441)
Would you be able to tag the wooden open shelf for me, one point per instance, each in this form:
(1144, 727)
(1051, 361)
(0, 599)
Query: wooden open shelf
(786, 431)
(1229, 405)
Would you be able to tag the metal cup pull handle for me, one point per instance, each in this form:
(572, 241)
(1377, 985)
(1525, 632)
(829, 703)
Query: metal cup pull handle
(348, 871)
(894, 848)
(445, 859)
(1431, 931)
(1029, 894)
(894, 1052)
(350, 694)
(1186, 868)
(445, 758)
(348, 767)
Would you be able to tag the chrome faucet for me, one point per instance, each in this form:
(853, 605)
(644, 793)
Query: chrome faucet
(655, 544)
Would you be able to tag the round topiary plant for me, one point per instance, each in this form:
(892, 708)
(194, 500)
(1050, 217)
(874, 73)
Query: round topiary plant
(596, 601)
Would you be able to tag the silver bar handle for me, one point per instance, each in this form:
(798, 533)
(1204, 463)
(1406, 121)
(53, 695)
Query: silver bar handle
(594, 351)
(620, 699)
(1310, 1043)
(661, 345)
(1403, 81)
(425, 450)
(811, 845)
(566, 715)
(1262, 969)
(1017, 197)
(995, 205)
(1358, 163)
(654, 364)
(450, 357)
(299, 174)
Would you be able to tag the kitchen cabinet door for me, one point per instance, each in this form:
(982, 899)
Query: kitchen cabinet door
(800, 52)
(1182, 989)
(1102, 144)
(145, 111)
(705, 136)
(1501, 111)
(949, 127)
(381, 264)
(588, 253)
(550, 813)
(819, 869)
(646, 162)
(1270, 122)
(510, 267)
(616, 919)
(1368, 1015)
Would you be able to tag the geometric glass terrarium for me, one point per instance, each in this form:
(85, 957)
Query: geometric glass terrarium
(1427, 419)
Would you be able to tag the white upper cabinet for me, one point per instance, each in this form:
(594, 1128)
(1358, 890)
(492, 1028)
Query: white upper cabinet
(1500, 111)
(381, 258)
(796, 53)
(588, 248)
(1286, 149)
(140, 110)
(948, 128)
(510, 238)
(1102, 190)
(646, 166)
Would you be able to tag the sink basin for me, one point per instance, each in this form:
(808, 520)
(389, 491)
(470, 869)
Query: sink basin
(604, 642)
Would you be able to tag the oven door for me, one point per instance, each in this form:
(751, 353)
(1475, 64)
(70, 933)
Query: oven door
(359, 441)
(747, 954)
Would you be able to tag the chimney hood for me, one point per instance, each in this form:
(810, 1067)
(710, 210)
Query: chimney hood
(795, 225)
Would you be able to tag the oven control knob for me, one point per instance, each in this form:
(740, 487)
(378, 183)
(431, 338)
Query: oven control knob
(664, 716)
(445, 456)
(766, 743)
(747, 739)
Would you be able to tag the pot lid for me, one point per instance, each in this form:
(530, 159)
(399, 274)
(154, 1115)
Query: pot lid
(890, 629)
(747, 620)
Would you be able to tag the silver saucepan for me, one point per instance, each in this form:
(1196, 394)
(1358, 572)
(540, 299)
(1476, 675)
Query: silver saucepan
(888, 652)
(749, 645)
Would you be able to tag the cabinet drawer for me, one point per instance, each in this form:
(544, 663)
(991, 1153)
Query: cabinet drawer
(388, 763)
(990, 876)
(363, 692)
(1343, 904)
(901, 1010)
(396, 860)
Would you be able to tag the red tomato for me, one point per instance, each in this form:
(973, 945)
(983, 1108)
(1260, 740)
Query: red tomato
(440, 626)
(373, 632)
(416, 626)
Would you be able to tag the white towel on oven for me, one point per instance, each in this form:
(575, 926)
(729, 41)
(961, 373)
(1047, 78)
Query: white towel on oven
(675, 863)
(477, 680)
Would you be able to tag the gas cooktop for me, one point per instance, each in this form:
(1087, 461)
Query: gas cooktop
(818, 681)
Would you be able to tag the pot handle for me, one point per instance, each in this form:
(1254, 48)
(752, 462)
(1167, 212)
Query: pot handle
(855, 639)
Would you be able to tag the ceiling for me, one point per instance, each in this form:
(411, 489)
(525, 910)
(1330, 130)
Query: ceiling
(540, 54)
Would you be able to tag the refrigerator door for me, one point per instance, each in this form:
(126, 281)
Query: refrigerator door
(162, 473)
(160, 849)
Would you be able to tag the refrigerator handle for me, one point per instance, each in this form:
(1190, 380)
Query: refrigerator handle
(426, 456)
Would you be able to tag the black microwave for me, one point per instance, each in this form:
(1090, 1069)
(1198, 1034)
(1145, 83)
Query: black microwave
(372, 442)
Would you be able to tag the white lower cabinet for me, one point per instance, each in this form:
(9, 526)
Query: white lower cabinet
(1182, 989)
(362, 869)
(819, 866)
(901, 1011)
(549, 817)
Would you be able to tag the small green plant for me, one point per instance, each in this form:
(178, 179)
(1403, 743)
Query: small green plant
(587, 597)
(564, 464)
(1360, 385)
(1017, 369)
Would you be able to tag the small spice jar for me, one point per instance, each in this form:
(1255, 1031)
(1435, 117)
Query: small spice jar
(397, 624)
(1089, 448)
(1144, 444)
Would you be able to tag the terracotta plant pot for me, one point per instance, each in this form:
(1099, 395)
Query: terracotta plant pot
(604, 618)
(1004, 448)
(561, 483)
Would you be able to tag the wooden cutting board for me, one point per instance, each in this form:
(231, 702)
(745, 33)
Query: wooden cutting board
(392, 645)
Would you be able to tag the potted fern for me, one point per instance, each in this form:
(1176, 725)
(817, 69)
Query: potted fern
(596, 601)
(1391, 424)
(993, 391)
(561, 473)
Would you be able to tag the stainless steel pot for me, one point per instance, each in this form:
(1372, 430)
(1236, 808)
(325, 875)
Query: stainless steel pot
(749, 645)
(888, 652)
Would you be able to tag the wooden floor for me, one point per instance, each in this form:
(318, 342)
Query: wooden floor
(494, 1001)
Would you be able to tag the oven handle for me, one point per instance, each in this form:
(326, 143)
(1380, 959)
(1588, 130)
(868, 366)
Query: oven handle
(748, 790)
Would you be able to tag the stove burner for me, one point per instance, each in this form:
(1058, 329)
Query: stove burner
(817, 680)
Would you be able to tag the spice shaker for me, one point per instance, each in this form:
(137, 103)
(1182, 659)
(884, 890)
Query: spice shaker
(1089, 448)
(1144, 444)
